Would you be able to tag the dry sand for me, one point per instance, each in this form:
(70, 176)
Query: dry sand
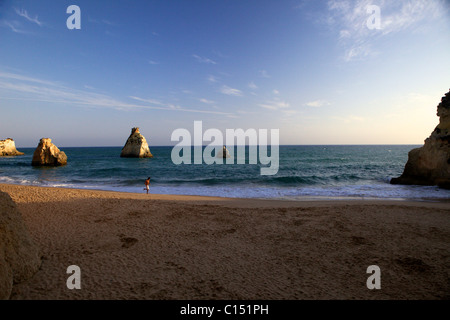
(137, 246)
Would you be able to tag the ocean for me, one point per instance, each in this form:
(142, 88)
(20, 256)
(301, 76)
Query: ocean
(305, 172)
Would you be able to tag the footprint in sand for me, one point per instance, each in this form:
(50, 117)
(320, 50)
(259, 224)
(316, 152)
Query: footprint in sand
(128, 242)
(413, 265)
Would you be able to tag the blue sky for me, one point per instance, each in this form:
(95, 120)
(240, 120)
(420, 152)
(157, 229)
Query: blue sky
(312, 69)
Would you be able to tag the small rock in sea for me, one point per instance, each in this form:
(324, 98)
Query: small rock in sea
(136, 146)
(47, 154)
(8, 148)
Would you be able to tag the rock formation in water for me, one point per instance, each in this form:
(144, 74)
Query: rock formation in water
(8, 148)
(430, 164)
(223, 153)
(47, 154)
(136, 146)
(19, 255)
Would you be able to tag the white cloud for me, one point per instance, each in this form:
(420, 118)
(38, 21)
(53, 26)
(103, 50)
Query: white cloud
(410, 14)
(108, 22)
(349, 20)
(151, 101)
(25, 88)
(12, 76)
(275, 105)
(207, 101)
(264, 74)
(301, 4)
(344, 34)
(230, 91)
(359, 52)
(102, 21)
(23, 13)
(289, 112)
(14, 26)
(213, 79)
(203, 59)
(317, 103)
(252, 86)
(276, 92)
(153, 62)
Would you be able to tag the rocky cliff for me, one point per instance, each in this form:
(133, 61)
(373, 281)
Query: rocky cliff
(8, 148)
(430, 164)
(47, 154)
(19, 255)
(136, 146)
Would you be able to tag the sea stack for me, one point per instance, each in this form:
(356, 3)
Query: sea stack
(47, 154)
(8, 148)
(19, 256)
(223, 153)
(136, 146)
(430, 164)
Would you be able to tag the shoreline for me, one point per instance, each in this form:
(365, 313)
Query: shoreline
(169, 247)
(301, 199)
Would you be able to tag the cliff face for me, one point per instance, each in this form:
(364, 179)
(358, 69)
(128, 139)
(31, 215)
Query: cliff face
(8, 148)
(136, 146)
(430, 164)
(47, 154)
(19, 255)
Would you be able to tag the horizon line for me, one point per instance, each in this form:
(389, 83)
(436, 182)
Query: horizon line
(246, 145)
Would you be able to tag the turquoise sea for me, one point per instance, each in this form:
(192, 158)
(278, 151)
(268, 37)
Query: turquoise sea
(305, 172)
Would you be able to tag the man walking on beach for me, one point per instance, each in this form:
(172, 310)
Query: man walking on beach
(147, 184)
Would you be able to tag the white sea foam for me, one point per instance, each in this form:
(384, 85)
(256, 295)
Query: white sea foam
(373, 191)
(382, 191)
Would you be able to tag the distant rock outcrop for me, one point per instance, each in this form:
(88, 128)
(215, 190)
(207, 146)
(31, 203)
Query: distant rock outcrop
(19, 255)
(136, 146)
(430, 164)
(223, 153)
(47, 154)
(8, 148)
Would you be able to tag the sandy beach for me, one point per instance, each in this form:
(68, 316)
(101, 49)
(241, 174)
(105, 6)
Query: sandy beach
(138, 246)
